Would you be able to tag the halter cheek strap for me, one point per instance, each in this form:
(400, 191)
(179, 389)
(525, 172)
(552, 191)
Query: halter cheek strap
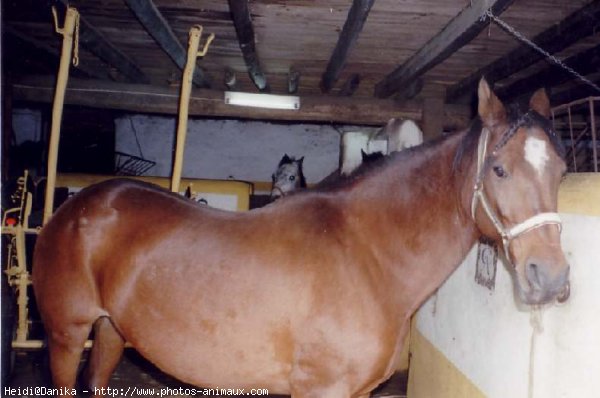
(509, 234)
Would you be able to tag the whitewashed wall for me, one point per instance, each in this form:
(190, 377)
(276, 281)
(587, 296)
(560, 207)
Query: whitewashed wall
(221, 149)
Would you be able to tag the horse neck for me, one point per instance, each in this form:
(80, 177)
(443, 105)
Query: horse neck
(417, 210)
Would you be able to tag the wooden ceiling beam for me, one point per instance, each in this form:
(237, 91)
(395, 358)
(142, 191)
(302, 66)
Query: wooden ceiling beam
(157, 26)
(242, 21)
(52, 53)
(574, 93)
(98, 45)
(411, 91)
(357, 15)
(580, 24)
(459, 31)
(210, 103)
(584, 63)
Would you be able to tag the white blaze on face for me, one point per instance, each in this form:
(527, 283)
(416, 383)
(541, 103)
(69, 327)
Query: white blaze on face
(536, 153)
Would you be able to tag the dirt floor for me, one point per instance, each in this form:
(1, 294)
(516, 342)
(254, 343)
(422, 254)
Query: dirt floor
(134, 377)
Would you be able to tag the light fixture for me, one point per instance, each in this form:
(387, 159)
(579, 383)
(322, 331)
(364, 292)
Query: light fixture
(270, 101)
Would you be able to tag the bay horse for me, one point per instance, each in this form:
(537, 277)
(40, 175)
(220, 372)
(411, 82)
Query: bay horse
(288, 177)
(310, 296)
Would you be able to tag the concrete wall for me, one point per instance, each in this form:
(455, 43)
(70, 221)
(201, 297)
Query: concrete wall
(469, 341)
(222, 149)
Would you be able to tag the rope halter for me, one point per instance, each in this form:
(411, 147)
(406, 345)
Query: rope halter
(507, 234)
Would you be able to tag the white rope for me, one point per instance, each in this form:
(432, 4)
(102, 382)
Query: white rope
(512, 31)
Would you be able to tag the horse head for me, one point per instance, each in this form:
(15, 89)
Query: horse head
(519, 166)
(288, 177)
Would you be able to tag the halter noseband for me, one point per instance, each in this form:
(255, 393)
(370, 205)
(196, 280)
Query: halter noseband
(277, 189)
(507, 234)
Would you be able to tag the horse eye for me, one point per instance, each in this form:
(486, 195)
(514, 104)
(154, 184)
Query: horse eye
(292, 178)
(499, 170)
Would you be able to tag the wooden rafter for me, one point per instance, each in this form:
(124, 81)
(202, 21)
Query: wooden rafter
(156, 25)
(98, 45)
(584, 63)
(359, 11)
(350, 86)
(209, 103)
(411, 91)
(576, 26)
(242, 21)
(458, 32)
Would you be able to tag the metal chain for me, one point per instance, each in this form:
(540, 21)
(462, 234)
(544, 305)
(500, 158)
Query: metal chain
(512, 31)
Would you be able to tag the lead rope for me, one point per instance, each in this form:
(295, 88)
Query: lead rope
(537, 327)
(521, 37)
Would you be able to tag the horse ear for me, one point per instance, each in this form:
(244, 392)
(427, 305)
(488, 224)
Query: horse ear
(490, 108)
(301, 160)
(363, 155)
(540, 103)
(284, 160)
(188, 192)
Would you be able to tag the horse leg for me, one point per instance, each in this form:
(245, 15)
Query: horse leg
(106, 354)
(65, 345)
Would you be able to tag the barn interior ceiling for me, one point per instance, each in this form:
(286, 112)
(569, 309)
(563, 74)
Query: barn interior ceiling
(354, 62)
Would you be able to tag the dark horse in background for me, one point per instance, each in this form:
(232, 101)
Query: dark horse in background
(310, 296)
(289, 176)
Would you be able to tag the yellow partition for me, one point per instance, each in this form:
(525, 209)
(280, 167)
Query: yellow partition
(239, 190)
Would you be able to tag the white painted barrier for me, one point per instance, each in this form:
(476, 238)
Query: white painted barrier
(470, 341)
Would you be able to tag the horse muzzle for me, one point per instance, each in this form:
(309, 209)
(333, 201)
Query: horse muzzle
(543, 287)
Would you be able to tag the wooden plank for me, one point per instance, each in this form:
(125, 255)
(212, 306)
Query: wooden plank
(156, 25)
(359, 11)
(584, 63)
(210, 103)
(245, 34)
(576, 26)
(97, 44)
(458, 32)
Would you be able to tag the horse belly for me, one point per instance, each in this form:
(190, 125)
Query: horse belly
(213, 334)
(233, 357)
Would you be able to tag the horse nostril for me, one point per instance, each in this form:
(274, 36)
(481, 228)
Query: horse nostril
(532, 272)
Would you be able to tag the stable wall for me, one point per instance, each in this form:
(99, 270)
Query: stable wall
(230, 149)
(469, 341)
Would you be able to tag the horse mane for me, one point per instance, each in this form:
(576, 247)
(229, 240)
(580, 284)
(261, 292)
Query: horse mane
(377, 163)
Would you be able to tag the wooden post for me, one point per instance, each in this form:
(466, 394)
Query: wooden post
(433, 117)
(71, 20)
(593, 126)
(184, 101)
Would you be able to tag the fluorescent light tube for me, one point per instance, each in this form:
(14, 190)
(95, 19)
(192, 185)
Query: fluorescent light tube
(269, 101)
